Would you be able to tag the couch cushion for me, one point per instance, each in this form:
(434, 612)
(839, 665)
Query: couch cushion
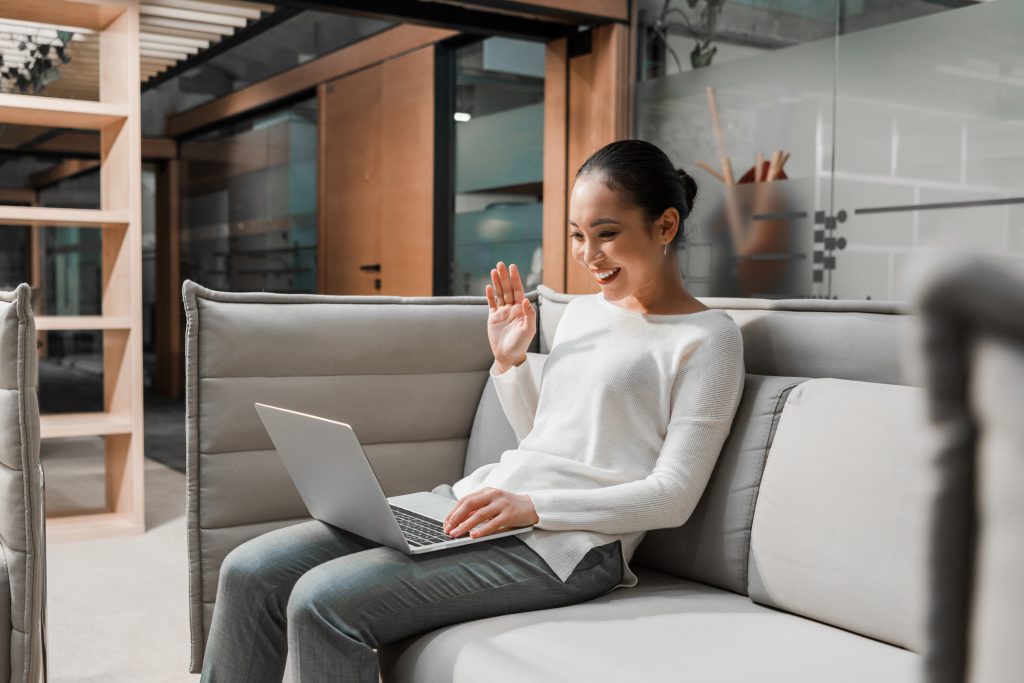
(712, 546)
(839, 524)
(492, 434)
(663, 629)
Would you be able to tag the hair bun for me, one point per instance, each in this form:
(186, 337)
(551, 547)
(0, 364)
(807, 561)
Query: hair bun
(689, 184)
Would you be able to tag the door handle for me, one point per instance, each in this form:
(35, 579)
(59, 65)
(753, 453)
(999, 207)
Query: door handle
(370, 266)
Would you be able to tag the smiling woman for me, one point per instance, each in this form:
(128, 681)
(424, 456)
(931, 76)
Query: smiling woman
(627, 214)
(618, 437)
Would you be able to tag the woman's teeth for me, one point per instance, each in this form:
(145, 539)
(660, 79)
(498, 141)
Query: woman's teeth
(606, 274)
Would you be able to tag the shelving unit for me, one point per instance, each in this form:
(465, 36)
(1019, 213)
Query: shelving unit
(116, 117)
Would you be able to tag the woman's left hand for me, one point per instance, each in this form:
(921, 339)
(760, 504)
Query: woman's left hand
(503, 509)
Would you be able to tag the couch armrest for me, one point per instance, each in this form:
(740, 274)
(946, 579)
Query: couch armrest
(406, 372)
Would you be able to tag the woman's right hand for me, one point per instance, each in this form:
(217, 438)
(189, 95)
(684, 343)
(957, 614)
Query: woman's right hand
(511, 323)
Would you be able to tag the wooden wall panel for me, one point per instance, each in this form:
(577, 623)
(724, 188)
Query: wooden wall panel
(598, 114)
(555, 193)
(350, 182)
(377, 178)
(407, 161)
(613, 9)
(373, 50)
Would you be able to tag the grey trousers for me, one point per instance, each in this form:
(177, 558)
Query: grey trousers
(330, 598)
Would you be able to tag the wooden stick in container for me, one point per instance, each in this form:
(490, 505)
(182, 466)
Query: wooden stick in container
(773, 167)
(711, 171)
(732, 209)
(716, 124)
(782, 162)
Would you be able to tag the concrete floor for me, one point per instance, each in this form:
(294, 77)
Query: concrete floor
(117, 608)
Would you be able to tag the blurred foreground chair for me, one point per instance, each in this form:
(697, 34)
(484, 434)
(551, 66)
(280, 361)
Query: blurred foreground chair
(22, 511)
(971, 355)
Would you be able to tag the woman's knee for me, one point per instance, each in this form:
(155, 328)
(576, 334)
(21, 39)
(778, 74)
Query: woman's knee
(250, 569)
(337, 595)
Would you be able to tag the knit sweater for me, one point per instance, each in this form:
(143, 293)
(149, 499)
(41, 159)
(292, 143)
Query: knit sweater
(624, 429)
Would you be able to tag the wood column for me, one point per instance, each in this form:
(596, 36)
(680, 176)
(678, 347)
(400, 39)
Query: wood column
(587, 87)
(167, 330)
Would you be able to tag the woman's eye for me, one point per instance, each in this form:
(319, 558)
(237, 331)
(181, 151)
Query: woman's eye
(603, 234)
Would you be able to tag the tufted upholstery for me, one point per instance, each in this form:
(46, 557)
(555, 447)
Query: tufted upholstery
(22, 518)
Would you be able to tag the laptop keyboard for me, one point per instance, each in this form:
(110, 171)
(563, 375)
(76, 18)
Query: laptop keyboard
(420, 530)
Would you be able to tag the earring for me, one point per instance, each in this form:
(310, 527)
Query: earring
(666, 249)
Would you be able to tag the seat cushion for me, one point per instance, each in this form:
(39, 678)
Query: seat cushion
(664, 629)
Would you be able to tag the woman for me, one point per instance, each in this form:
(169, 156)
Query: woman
(639, 392)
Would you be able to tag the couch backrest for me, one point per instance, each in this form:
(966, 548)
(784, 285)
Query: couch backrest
(406, 372)
(22, 518)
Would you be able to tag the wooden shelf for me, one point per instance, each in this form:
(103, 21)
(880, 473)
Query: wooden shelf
(101, 524)
(83, 322)
(45, 215)
(116, 119)
(62, 425)
(33, 110)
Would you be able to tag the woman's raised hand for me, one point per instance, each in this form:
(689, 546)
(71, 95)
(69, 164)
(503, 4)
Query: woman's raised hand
(511, 323)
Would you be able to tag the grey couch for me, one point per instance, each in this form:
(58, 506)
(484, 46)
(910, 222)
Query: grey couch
(22, 518)
(806, 559)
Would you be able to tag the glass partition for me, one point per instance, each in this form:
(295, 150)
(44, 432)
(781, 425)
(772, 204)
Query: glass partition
(894, 127)
(499, 152)
(248, 203)
(929, 139)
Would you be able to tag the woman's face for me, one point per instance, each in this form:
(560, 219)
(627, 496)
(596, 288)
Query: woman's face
(607, 235)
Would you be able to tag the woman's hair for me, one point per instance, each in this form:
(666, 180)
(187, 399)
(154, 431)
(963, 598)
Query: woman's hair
(646, 178)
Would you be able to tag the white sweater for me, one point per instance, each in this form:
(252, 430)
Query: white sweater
(624, 430)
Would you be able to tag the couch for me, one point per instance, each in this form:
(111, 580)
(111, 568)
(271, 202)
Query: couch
(22, 505)
(805, 560)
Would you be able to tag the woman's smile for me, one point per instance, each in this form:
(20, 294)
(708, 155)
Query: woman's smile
(614, 273)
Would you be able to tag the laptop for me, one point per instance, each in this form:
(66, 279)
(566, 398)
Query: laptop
(338, 484)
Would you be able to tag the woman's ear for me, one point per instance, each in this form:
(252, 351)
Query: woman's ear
(668, 223)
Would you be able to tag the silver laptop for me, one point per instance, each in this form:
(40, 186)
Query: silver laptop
(338, 484)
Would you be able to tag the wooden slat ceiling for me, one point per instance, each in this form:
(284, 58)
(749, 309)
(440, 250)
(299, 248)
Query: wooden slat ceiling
(170, 31)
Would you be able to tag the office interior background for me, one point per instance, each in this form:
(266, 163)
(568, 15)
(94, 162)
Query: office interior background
(360, 148)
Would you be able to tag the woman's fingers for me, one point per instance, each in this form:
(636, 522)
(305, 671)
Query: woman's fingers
(499, 295)
(489, 291)
(506, 282)
(465, 505)
(473, 519)
(496, 523)
(517, 284)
